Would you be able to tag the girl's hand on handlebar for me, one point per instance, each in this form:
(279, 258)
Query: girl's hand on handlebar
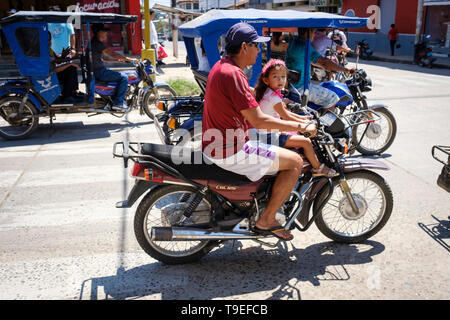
(310, 130)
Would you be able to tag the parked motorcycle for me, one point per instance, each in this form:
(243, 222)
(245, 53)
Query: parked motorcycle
(423, 53)
(365, 51)
(443, 180)
(191, 206)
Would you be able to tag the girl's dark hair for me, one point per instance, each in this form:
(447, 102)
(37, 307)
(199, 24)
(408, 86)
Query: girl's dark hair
(261, 87)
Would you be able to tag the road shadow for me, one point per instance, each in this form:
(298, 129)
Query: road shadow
(232, 270)
(439, 231)
(72, 131)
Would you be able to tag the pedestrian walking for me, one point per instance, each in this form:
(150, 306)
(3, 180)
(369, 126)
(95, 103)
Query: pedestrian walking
(393, 32)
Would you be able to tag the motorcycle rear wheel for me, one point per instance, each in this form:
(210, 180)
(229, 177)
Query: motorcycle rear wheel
(164, 207)
(13, 124)
(149, 101)
(374, 199)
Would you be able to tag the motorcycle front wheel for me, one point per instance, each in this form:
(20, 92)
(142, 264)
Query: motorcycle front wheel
(17, 123)
(150, 100)
(373, 198)
(164, 207)
(379, 135)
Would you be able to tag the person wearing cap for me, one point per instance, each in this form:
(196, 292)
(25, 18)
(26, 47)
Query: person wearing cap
(295, 60)
(99, 53)
(231, 111)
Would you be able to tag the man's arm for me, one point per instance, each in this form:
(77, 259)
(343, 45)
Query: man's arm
(329, 65)
(117, 56)
(261, 120)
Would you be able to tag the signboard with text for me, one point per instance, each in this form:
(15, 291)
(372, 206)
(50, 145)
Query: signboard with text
(114, 41)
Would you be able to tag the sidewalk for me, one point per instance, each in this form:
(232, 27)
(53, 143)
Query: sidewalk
(440, 62)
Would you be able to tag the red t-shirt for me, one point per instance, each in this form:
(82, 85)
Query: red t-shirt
(227, 93)
(393, 34)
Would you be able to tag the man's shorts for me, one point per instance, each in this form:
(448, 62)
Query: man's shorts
(254, 160)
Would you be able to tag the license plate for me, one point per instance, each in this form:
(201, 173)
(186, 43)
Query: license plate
(429, 54)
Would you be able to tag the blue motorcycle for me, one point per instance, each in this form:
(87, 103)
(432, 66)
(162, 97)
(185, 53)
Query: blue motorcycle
(37, 93)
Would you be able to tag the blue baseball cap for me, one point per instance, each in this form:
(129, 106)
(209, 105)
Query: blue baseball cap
(243, 32)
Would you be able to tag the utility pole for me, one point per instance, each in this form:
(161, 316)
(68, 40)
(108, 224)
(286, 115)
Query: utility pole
(174, 30)
(419, 20)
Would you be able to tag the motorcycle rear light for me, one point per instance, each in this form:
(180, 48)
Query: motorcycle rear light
(148, 174)
(161, 106)
(172, 122)
(137, 167)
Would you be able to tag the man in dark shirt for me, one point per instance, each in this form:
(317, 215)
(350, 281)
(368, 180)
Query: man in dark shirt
(102, 73)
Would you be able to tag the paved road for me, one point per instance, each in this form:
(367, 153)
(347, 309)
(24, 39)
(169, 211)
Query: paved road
(62, 238)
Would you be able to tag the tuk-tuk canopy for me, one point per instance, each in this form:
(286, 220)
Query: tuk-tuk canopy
(221, 20)
(211, 25)
(27, 35)
(62, 17)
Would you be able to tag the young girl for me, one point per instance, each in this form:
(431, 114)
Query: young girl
(268, 94)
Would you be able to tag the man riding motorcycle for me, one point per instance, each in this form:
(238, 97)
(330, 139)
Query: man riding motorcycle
(295, 61)
(230, 110)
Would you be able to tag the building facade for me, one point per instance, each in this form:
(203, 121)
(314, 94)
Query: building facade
(437, 24)
(383, 13)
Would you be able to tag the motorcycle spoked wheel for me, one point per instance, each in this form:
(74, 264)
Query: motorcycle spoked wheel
(374, 199)
(164, 207)
(13, 125)
(379, 136)
(149, 101)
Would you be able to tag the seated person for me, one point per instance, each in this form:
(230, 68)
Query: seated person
(101, 73)
(278, 46)
(67, 73)
(295, 60)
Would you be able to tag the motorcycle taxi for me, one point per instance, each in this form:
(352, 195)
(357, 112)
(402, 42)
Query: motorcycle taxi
(23, 100)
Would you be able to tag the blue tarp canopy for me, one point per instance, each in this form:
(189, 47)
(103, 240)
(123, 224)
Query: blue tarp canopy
(221, 20)
(211, 25)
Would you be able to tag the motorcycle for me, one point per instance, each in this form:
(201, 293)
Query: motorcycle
(137, 96)
(320, 75)
(443, 180)
(192, 206)
(423, 53)
(365, 51)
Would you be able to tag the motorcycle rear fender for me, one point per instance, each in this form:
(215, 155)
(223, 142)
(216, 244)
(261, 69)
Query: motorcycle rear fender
(376, 105)
(31, 96)
(138, 190)
(351, 164)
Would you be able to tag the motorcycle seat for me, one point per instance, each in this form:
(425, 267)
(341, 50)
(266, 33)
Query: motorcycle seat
(191, 164)
(105, 83)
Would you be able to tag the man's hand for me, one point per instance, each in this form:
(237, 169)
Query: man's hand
(349, 71)
(132, 60)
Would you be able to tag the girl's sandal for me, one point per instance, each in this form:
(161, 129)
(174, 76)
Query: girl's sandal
(324, 171)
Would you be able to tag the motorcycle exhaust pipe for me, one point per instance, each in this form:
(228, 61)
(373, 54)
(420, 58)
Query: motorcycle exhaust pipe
(193, 234)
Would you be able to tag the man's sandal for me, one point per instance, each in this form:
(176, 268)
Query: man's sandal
(271, 232)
